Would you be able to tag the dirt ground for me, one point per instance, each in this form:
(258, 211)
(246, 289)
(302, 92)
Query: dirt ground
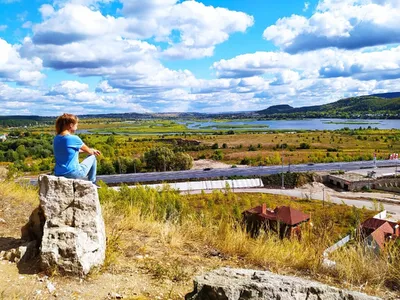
(146, 267)
(209, 163)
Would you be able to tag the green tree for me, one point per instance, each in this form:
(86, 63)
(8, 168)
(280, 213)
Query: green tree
(159, 159)
(111, 140)
(105, 167)
(183, 161)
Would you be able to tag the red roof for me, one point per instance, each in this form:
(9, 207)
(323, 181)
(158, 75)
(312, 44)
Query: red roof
(285, 214)
(290, 216)
(379, 237)
(374, 224)
(380, 233)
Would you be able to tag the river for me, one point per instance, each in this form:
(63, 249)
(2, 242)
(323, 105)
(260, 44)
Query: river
(303, 124)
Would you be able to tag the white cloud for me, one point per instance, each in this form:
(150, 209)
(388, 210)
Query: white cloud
(367, 65)
(203, 27)
(69, 87)
(14, 68)
(149, 8)
(286, 77)
(74, 23)
(104, 87)
(46, 10)
(348, 24)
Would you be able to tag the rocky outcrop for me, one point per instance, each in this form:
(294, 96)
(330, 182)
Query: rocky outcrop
(69, 226)
(242, 284)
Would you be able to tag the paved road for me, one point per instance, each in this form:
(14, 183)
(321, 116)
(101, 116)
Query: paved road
(250, 171)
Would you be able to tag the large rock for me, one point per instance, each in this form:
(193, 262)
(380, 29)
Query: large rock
(73, 235)
(241, 284)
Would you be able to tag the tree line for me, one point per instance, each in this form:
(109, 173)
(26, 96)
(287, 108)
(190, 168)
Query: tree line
(34, 153)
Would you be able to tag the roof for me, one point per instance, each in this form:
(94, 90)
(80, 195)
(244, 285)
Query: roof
(290, 215)
(380, 233)
(373, 223)
(379, 237)
(285, 214)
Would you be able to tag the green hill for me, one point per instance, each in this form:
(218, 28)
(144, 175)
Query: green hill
(354, 107)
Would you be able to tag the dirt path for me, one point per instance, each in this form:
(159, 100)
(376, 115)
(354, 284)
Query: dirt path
(209, 163)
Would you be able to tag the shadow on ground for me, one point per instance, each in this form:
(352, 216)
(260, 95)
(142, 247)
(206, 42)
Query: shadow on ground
(29, 262)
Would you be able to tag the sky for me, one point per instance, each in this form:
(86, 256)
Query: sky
(119, 56)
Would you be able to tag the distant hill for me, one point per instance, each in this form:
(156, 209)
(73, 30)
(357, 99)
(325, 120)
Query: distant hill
(279, 109)
(17, 121)
(388, 95)
(354, 107)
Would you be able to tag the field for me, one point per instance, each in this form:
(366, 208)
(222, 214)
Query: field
(124, 143)
(157, 241)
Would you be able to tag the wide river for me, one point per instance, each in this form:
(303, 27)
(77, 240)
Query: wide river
(304, 124)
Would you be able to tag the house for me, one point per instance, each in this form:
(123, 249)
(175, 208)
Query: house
(283, 220)
(376, 232)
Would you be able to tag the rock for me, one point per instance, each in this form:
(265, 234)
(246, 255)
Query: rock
(50, 287)
(22, 251)
(242, 284)
(2, 221)
(74, 238)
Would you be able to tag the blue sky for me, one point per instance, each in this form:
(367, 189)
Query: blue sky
(106, 56)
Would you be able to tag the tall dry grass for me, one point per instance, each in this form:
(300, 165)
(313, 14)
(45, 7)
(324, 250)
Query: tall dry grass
(172, 217)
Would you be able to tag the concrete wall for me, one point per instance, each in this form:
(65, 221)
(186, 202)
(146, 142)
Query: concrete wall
(212, 184)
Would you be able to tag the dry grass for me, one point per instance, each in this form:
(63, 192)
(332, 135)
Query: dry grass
(16, 202)
(160, 240)
(198, 232)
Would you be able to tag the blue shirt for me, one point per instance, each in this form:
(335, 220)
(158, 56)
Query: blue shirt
(66, 152)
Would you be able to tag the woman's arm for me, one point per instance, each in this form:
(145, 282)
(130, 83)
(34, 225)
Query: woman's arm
(90, 151)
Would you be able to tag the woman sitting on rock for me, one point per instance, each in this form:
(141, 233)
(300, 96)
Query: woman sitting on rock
(66, 148)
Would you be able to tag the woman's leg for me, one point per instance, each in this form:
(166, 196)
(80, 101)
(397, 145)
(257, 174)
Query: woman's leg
(89, 167)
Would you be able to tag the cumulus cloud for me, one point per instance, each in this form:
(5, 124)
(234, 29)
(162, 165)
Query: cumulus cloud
(202, 27)
(68, 87)
(14, 68)
(328, 63)
(348, 24)
(46, 10)
(104, 87)
(73, 23)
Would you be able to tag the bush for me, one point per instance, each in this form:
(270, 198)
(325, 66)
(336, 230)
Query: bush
(304, 146)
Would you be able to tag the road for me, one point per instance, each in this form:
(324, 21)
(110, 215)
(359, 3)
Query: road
(249, 171)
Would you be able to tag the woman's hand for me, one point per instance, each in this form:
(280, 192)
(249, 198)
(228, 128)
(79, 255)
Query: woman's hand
(90, 151)
(95, 152)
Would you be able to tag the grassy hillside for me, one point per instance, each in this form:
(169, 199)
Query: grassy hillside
(364, 106)
(160, 240)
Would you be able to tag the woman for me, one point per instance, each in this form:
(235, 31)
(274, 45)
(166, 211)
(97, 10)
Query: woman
(67, 146)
